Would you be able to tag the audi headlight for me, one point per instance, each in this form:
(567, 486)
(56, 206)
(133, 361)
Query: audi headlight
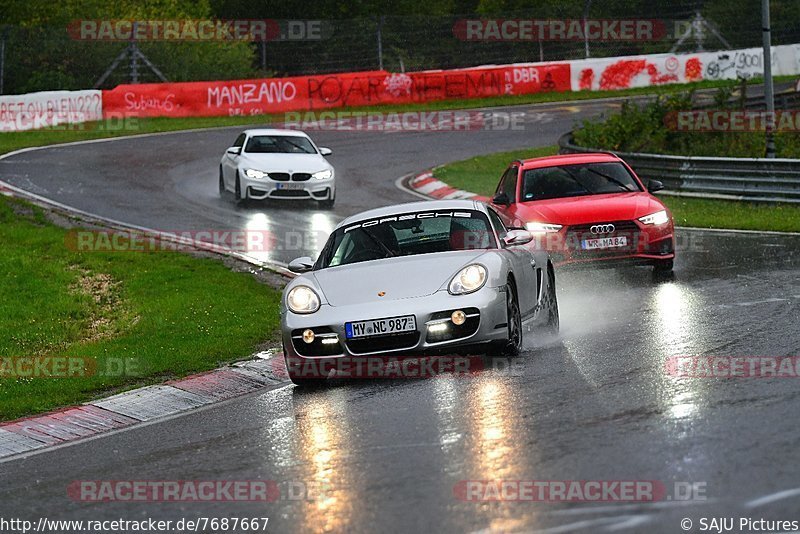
(470, 279)
(253, 173)
(323, 175)
(302, 299)
(655, 219)
(542, 228)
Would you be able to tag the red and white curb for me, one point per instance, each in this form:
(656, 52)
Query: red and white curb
(426, 185)
(139, 406)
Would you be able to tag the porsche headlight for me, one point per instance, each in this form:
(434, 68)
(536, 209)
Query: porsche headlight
(655, 219)
(542, 228)
(323, 175)
(302, 299)
(470, 279)
(256, 174)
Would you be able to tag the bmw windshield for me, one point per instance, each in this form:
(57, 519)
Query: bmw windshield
(406, 235)
(577, 180)
(279, 144)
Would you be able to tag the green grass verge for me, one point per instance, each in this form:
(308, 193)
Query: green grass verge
(712, 213)
(10, 141)
(135, 317)
(481, 174)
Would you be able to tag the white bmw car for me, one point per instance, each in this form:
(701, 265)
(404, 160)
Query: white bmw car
(279, 164)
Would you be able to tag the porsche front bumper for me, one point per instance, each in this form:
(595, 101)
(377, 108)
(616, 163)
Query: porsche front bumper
(486, 322)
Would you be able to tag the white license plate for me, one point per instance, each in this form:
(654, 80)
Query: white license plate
(380, 327)
(605, 242)
(289, 186)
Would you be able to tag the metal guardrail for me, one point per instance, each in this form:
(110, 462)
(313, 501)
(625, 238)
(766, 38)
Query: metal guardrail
(788, 99)
(754, 179)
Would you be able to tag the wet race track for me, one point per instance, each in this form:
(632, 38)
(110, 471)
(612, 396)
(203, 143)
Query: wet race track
(596, 404)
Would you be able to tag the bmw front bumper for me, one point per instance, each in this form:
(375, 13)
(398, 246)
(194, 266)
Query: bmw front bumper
(260, 189)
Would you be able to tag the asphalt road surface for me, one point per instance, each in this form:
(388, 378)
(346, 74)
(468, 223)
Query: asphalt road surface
(595, 404)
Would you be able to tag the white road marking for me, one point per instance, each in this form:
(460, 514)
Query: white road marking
(774, 497)
(735, 231)
(584, 510)
(430, 187)
(611, 524)
(753, 302)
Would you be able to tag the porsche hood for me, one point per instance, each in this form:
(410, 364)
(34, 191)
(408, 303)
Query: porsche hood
(395, 278)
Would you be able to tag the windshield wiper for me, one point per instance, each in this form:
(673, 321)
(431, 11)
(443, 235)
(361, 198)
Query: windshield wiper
(390, 252)
(610, 179)
(302, 148)
(575, 179)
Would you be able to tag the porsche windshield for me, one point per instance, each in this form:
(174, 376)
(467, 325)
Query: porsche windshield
(279, 144)
(407, 235)
(577, 180)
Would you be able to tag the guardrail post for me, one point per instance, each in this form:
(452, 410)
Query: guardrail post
(768, 90)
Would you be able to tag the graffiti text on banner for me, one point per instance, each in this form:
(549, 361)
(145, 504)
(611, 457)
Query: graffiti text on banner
(278, 95)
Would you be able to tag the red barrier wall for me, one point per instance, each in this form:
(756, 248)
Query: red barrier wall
(278, 95)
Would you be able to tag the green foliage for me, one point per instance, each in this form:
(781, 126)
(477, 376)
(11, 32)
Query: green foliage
(634, 128)
(40, 54)
(646, 128)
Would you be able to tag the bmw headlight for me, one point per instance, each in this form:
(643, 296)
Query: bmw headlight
(542, 228)
(470, 279)
(323, 175)
(302, 299)
(656, 219)
(256, 174)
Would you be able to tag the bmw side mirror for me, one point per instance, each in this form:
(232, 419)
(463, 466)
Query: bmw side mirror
(235, 150)
(501, 199)
(301, 265)
(515, 238)
(654, 185)
(325, 151)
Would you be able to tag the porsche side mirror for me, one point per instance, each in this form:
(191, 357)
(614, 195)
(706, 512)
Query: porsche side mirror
(325, 151)
(654, 185)
(235, 150)
(515, 238)
(501, 199)
(301, 265)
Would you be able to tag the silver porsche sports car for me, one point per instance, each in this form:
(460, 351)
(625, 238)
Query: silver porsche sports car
(416, 279)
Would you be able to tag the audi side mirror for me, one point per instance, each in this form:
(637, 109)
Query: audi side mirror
(235, 150)
(654, 185)
(325, 151)
(501, 199)
(515, 238)
(301, 265)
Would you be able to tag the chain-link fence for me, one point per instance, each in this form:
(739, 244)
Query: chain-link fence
(36, 58)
